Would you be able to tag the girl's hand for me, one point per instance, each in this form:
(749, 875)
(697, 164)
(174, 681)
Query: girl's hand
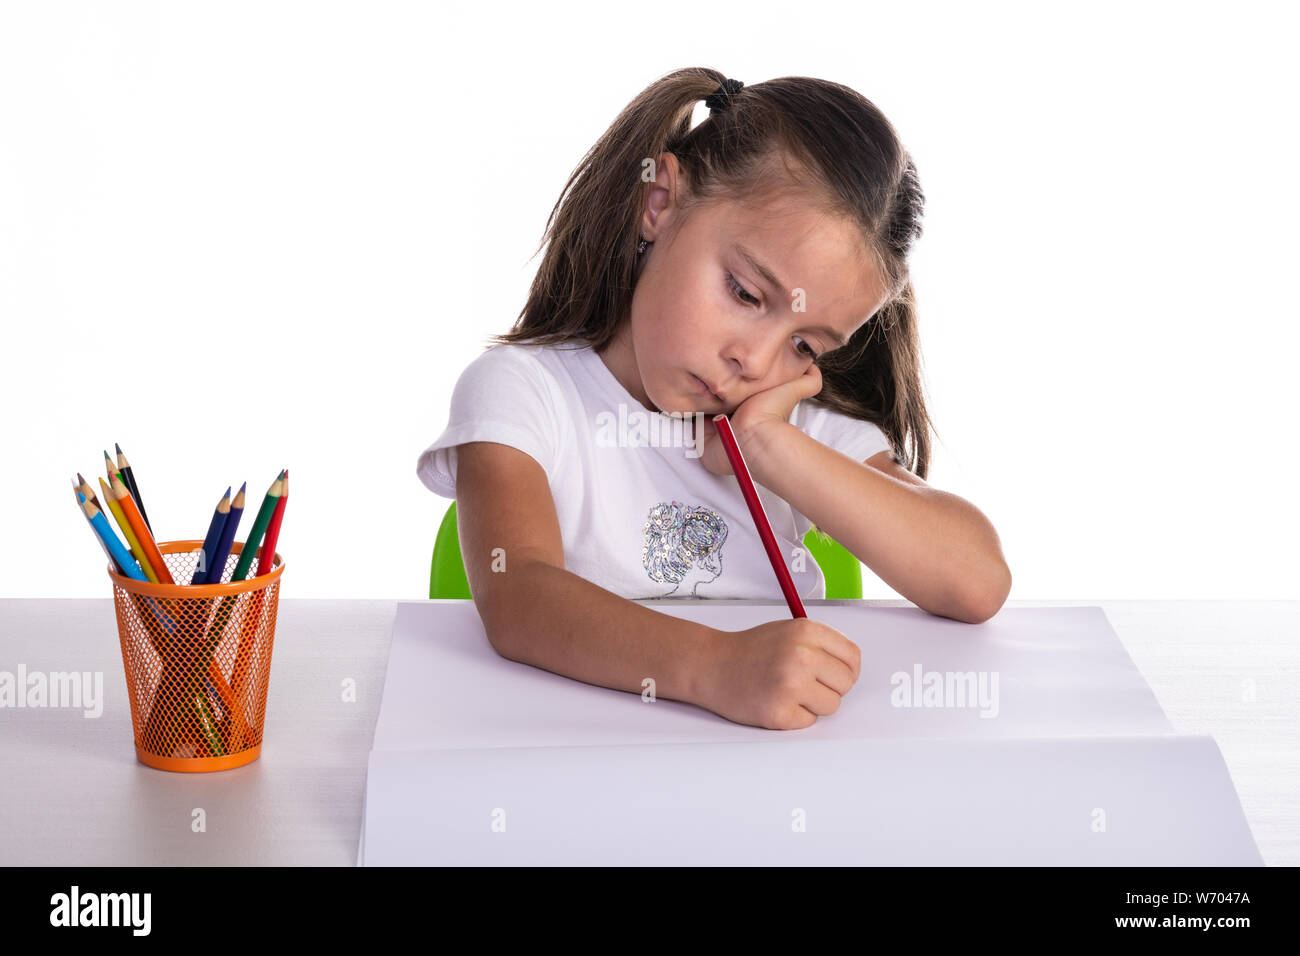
(781, 675)
(756, 415)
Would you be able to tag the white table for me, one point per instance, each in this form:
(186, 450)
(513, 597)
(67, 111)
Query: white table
(74, 793)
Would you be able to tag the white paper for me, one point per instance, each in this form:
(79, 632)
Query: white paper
(1067, 759)
(1058, 672)
(1119, 801)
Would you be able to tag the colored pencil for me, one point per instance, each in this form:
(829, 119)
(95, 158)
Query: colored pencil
(112, 546)
(128, 532)
(126, 566)
(83, 492)
(273, 530)
(210, 540)
(239, 729)
(149, 620)
(161, 617)
(84, 487)
(211, 572)
(111, 467)
(128, 477)
(216, 680)
(122, 497)
(264, 566)
(217, 566)
(260, 523)
(112, 561)
(208, 723)
(774, 555)
(142, 533)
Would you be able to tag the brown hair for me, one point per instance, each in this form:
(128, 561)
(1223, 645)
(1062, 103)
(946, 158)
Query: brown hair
(792, 133)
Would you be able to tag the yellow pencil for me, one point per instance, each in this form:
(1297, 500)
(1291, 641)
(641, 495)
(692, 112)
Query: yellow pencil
(120, 517)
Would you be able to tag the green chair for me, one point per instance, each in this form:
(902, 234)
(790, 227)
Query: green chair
(447, 572)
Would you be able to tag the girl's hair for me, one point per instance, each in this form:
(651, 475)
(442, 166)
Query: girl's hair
(796, 135)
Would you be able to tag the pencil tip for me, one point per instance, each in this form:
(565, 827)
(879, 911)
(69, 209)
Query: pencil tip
(118, 447)
(80, 480)
(106, 456)
(227, 494)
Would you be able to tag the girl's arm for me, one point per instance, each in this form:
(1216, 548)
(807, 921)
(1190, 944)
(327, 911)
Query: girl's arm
(536, 612)
(933, 547)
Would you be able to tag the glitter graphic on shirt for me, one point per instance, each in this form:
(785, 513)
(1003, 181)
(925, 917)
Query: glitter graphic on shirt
(682, 545)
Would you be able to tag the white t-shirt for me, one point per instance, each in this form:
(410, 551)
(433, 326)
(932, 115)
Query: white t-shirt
(639, 513)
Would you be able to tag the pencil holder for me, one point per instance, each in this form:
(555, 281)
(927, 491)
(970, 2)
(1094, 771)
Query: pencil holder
(197, 660)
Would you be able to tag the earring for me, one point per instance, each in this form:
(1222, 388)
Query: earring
(640, 248)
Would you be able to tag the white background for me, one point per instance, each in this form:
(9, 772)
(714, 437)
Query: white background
(333, 204)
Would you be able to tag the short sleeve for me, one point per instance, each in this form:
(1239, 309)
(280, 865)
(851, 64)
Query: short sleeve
(506, 396)
(850, 436)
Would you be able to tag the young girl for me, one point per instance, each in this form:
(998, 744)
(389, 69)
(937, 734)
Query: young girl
(756, 265)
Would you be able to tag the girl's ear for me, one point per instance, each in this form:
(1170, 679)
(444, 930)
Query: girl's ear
(663, 194)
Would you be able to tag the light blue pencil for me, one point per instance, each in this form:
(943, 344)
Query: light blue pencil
(112, 561)
(130, 567)
(115, 547)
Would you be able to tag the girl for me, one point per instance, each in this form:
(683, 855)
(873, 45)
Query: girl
(755, 264)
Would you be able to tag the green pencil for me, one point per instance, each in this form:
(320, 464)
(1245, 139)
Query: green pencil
(249, 553)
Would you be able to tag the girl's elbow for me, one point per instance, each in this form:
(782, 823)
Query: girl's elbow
(985, 600)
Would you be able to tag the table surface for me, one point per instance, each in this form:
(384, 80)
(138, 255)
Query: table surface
(75, 794)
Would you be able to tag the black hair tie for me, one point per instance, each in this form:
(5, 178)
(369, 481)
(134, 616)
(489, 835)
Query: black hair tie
(720, 99)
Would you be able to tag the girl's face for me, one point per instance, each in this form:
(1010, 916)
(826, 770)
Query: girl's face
(737, 299)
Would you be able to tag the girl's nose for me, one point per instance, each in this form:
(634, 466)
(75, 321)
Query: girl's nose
(750, 356)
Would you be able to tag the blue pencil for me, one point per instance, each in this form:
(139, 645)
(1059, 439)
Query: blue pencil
(121, 557)
(112, 561)
(215, 558)
(116, 550)
(217, 567)
(211, 540)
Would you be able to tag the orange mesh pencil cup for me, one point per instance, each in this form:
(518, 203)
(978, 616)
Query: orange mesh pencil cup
(193, 709)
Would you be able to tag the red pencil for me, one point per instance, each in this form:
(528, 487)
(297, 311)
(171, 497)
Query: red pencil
(272, 535)
(760, 516)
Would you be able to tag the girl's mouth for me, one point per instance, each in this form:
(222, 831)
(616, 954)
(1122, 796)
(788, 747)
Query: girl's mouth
(704, 389)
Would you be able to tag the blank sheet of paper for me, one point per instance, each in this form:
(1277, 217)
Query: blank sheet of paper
(1027, 672)
(1124, 801)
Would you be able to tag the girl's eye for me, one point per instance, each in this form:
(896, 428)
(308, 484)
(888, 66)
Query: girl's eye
(804, 345)
(738, 292)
